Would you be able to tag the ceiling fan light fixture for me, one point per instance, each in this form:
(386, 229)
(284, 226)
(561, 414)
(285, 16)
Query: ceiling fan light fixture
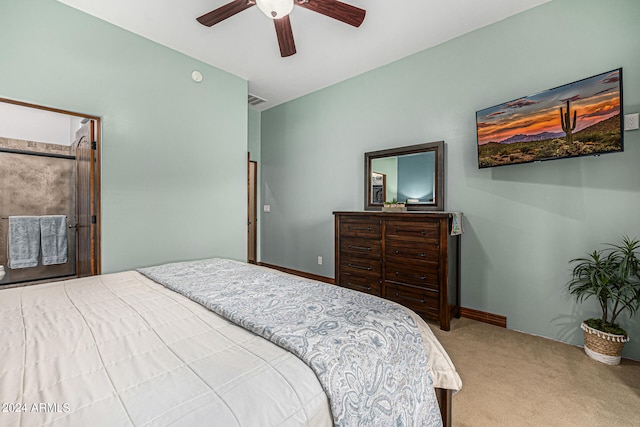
(275, 9)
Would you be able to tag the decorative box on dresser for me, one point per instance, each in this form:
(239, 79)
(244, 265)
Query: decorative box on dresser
(408, 257)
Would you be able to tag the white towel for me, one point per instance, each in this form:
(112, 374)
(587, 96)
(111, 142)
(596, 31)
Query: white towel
(456, 224)
(23, 241)
(53, 234)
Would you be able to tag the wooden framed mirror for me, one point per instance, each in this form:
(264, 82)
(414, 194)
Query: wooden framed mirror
(413, 175)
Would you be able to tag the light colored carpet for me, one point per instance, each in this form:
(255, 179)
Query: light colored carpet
(514, 379)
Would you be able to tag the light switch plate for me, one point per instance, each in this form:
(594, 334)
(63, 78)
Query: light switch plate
(267, 208)
(631, 121)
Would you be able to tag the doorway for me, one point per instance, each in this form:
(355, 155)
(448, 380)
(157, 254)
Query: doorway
(50, 167)
(252, 221)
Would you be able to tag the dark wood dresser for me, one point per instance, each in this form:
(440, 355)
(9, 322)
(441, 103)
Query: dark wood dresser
(408, 257)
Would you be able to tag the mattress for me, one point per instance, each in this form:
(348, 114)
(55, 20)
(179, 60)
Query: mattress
(121, 349)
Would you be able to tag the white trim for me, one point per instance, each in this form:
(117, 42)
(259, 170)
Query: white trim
(609, 360)
(604, 335)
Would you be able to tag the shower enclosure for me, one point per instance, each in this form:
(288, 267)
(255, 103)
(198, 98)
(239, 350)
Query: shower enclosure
(37, 179)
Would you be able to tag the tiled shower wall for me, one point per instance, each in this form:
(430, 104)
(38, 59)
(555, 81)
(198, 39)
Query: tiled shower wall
(35, 185)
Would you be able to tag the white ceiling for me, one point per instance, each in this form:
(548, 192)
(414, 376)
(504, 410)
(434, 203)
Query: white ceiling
(328, 51)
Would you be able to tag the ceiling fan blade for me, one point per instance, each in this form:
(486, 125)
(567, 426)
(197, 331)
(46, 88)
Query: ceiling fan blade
(285, 36)
(335, 9)
(224, 12)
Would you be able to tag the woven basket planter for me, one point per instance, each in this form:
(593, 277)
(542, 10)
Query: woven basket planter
(603, 347)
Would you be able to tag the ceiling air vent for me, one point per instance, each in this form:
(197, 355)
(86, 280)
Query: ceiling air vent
(255, 100)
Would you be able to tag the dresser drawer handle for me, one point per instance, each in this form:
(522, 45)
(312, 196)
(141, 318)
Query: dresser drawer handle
(353, 285)
(361, 248)
(410, 276)
(420, 255)
(359, 267)
(421, 301)
(360, 228)
(398, 230)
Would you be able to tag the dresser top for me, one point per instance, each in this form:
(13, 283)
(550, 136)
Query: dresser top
(419, 214)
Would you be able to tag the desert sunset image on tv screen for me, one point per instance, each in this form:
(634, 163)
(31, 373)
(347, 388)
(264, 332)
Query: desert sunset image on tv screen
(578, 119)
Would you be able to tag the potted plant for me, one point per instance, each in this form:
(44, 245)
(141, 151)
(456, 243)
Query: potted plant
(612, 276)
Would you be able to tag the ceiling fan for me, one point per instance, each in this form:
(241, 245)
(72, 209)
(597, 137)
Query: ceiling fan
(279, 10)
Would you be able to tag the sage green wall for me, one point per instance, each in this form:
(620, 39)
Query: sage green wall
(389, 167)
(523, 222)
(174, 152)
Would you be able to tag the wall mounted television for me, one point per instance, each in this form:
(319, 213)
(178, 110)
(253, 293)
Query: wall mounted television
(583, 118)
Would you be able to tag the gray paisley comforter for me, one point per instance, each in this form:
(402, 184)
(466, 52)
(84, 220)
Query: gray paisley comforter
(366, 352)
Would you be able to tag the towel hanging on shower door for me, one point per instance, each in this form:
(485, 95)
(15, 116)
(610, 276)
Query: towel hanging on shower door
(53, 234)
(23, 241)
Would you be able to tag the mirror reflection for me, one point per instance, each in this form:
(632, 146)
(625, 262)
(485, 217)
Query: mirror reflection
(409, 178)
(413, 175)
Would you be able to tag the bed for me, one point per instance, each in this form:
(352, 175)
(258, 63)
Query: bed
(123, 349)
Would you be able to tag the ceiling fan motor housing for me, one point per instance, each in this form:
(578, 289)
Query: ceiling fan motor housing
(275, 9)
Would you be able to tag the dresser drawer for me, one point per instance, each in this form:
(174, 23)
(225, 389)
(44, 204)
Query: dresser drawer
(361, 267)
(361, 227)
(416, 251)
(423, 275)
(420, 300)
(360, 282)
(412, 230)
(361, 248)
